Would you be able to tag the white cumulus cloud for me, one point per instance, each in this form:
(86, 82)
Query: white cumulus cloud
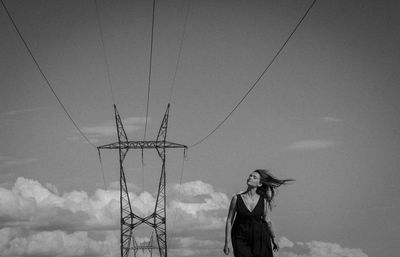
(331, 119)
(21, 111)
(319, 249)
(198, 206)
(8, 161)
(33, 206)
(131, 124)
(32, 214)
(285, 242)
(35, 220)
(194, 188)
(16, 242)
(324, 249)
(311, 144)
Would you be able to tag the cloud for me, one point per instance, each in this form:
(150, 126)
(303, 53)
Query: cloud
(21, 111)
(36, 220)
(131, 187)
(321, 249)
(198, 206)
(331, 119)
(131, 124)
(284, 242)
(311, 145)
(194, 188)
(32, 214)
(196, 247)
(8, 161)
(33, 206)
(14, 242)
(192, 246)
(188, 252)
(193, 242)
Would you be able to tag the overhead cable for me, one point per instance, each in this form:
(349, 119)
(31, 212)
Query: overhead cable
(104, 50)
(150, 66)
(178, 61)
(102, 169)
(179, 190)
(44, 76)
(259, 77)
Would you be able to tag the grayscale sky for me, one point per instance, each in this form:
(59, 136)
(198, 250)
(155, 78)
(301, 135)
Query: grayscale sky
(325, 114)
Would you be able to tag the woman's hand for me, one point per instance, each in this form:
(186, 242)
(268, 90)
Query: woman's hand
(275, 245)
(226, 249)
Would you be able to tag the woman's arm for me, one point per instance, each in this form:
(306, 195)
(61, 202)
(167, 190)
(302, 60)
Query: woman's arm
(268, 221)
(229, 221)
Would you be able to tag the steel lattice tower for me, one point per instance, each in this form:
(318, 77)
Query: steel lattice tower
(129, 220)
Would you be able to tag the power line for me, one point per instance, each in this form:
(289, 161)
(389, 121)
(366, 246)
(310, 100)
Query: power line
(148, 87)
(180, 50)
(50, 87)
(258, 79)
(44, 76)
(180, 187)
(170, 98)
(150, 66)
(102, 169)
(105, 185)
(104, 51)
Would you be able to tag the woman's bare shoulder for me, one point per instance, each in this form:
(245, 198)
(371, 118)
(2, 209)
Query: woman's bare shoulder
(235, 196)
(240, 193)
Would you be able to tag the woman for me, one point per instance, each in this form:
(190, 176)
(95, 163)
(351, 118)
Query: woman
(251, 233)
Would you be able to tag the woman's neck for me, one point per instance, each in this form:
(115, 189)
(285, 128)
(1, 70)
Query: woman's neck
(251, 191)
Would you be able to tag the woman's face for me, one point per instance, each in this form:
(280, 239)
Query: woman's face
(254, 180)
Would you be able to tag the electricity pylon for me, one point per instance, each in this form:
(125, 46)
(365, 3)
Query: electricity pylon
(129, 220)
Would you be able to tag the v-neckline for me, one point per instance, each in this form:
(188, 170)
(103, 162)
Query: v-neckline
(247, 208)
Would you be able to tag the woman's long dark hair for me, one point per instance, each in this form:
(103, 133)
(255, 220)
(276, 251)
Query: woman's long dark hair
(269, 185)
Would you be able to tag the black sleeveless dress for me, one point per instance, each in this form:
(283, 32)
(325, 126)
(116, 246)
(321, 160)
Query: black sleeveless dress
(250, 236)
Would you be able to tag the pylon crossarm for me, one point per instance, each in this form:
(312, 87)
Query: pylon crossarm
(141, 145)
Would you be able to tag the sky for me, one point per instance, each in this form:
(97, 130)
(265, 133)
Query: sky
(324, 114)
